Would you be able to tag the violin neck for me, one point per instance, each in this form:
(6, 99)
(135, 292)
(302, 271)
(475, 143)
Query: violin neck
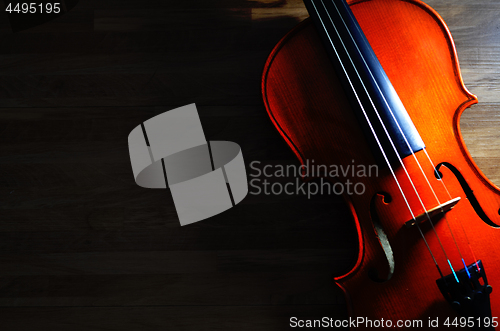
(385, 122)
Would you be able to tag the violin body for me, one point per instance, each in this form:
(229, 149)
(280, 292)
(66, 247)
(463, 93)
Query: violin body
(306, 103)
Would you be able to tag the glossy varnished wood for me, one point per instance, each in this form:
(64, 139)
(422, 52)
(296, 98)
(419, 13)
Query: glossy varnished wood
(308, 106)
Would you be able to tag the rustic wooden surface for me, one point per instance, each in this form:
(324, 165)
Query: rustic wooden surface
(84, 248)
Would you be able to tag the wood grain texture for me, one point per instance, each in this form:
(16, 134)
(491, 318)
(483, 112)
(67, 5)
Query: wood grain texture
(83, 248)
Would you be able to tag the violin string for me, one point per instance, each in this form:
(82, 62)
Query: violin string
(459, 219)
(388, 136)
(378, 141)
(385, 130)
(413, 154)
(399, 128)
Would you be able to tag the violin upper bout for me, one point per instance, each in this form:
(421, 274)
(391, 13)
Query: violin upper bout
(417, 52)
(414, 47)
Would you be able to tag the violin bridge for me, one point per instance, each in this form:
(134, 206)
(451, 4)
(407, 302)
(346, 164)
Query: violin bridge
(432, 213)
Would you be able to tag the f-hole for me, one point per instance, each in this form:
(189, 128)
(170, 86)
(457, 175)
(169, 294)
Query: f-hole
(382, 237)
(468, 192)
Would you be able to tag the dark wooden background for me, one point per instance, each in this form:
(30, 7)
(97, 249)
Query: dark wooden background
(82, 247)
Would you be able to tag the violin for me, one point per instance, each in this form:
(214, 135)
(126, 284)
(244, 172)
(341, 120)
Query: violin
(377, 82)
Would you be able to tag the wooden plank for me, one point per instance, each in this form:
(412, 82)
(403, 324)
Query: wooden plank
(479, 126)
(182, 318)
(110, 263)
(206, 289)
